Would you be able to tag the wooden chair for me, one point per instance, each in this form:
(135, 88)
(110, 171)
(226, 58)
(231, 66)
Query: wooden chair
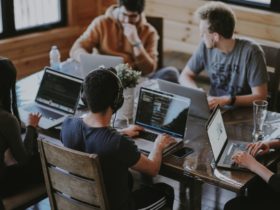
(157, 22)
(73, 179)
(272, 56)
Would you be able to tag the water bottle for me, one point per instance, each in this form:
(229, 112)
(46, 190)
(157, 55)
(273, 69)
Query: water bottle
(55, 58)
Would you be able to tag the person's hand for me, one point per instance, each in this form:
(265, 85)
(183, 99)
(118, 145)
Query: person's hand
(213, 101)
(244, 159)
(33, 119)
(258, 148)
(130, 31)
(163, 141)
(132, 130)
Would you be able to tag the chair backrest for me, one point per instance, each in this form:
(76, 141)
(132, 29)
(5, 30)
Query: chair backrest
(157, 22)
(272, 56)
(73, 179)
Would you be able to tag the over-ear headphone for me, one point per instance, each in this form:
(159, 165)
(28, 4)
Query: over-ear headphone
(118, 102)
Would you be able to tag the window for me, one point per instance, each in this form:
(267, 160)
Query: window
(24, 16)
(272, 5)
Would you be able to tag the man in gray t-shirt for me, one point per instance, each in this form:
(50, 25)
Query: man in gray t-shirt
(236, 67)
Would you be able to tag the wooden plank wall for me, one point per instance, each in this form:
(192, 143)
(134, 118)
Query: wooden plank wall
(30, 52)
(181, 30)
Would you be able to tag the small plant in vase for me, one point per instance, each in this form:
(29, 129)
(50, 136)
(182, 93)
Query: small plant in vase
(129, 79)
(127, 75)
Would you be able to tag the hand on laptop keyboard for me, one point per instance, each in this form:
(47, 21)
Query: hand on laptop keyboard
(132, 130)
(163, 141)
(258, 148)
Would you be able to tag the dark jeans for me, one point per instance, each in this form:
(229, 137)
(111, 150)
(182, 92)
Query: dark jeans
(17, 178)
(260, 197)
(169, 73)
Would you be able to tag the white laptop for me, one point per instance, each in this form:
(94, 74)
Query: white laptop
(160, 112)
(93, 61)
(199, 104)
(222, 147)
(57, 97)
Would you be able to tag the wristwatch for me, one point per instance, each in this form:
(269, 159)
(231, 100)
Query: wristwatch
(137, 44)
(232, 99)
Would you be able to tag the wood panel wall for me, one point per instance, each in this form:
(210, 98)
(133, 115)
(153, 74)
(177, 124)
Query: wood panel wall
(30, 52)
(181, 30)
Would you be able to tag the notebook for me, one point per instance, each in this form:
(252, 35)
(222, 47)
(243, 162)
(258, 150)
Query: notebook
(90, 62)
(199, 105)
(57, 97)
(222, 147)
(160, 112)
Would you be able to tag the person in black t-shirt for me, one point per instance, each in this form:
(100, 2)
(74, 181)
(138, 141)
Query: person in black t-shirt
(117, 152)
(266, 193)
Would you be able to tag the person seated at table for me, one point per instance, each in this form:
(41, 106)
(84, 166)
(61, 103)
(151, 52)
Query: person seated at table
(117, 151)
(124, 31)
(20, 165)
(236, 67)
(265, 194)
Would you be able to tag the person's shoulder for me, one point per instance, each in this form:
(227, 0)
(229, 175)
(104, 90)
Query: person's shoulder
(71, 121)
(7, 118)
(249, 44)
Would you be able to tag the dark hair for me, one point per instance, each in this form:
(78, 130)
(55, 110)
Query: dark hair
(102, 89)
(220, 17)
(133, 5)
(8, 98)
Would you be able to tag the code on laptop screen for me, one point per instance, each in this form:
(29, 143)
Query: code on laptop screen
(163, 112)
(59, 91)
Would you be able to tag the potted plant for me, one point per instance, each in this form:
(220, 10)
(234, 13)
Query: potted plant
(129, 79)
(127, 75)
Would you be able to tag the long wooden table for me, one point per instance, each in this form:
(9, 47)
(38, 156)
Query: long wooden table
(196, 168)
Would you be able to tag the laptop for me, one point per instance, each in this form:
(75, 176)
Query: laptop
(57, 97)
(93, 61)
(160, 112)
(221, 146)
(199, 104)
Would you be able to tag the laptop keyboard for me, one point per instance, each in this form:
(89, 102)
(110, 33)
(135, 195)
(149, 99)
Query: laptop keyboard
(45, 112)
(234, 149)
(147, 135)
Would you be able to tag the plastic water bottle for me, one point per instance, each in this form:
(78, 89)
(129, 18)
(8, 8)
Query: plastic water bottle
(55, 58)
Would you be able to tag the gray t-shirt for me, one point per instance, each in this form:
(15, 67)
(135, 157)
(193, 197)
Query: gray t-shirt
(234, 73)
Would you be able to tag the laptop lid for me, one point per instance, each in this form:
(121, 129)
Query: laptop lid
(59, 91)
(217, 133)
(199, 104)
(162, 112)
(93, 61)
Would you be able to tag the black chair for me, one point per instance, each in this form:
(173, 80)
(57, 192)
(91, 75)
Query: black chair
(272, 56)
(157, 22)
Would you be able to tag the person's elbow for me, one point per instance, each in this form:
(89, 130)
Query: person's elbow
(260, 92)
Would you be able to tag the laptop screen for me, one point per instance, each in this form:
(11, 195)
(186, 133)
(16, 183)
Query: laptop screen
(216, 132)
(163, 112)
(59, 91)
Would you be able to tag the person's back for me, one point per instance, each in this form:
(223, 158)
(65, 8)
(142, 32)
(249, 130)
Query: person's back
(117, 154)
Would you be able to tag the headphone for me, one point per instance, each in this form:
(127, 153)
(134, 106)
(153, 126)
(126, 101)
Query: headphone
(118, 102)
(119, 99)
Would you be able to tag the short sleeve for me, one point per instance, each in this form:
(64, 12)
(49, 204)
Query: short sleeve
(257, 74)
(128, 153)
(196, 62)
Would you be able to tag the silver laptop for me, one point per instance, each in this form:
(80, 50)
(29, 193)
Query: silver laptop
(160, 112)
(222, 147)
(93, 61)
(199, 104)
(57, 97)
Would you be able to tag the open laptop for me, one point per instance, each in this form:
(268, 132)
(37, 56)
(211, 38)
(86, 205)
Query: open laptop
(199, 104)
(160, 112)
(57, 97)
(222, 147)
(93, 61)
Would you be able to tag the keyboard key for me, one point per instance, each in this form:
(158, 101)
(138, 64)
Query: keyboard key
(147, 135)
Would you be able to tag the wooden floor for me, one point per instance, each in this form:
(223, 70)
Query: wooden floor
(213, 198)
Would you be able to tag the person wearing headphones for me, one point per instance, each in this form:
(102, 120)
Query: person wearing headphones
(117, 151)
